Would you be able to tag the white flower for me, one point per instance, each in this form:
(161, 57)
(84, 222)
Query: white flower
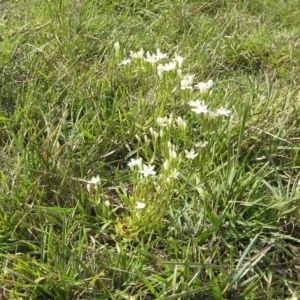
(160, 55)
(137, 55)
(107, 203)
(203, 87)
(93, 182)
(170, 145)
(223, 112)
(117, 46)
(153, 133)
(170, 66)
(186, 82)
(147, 170)
(190, 154)
(189, 78)
(151, 58)
(199, 107)
(179, 59)
(125, 62)
(172, 153)
(135, 162)
(180, 122)
(201, 144)
(194, 103)
(160, 69)
(140, 205)
(179, 73)
(185, 85)
(166, 164)
(162, 121)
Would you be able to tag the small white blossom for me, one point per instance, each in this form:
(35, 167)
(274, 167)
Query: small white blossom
(201, 144)
(180, 122)
(189, 78)
(190, 154)
(151, 58)
(135, 162)
(172, 153)
(172, 150)
(223, 112)
(165, 121)
(93, 182)
(117, 46)
(147, 170)
(153, 133)
(199, 107)
(169, 66)
(140, 205)
(137, 55)
(125, 62)
(185, 84)
(203, 87)
(170, 145)
(179, 59)
(162, 121)
(166, 164)
(160, 55)
(107, 203)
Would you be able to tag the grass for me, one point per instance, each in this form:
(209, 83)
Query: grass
(221, 225)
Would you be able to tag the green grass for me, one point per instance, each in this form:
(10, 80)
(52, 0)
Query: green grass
(224, 225)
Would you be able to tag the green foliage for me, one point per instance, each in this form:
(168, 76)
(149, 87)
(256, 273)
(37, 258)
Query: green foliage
(222, 224)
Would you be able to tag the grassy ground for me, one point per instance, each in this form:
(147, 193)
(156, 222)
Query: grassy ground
(193, 200)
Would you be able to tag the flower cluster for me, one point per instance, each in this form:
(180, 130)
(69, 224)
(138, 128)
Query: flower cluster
(140, 55)
(200, 107)
(168, 151)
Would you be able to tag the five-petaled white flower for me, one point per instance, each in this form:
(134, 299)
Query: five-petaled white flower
(186, 82)
(190, 154)
(201, 144)
(223, 112)
(125, 62)
(199, 107)
(147, 170)
(203, 87)
(140, 205)
(160, 55)
(151, 58)
(135, 162)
